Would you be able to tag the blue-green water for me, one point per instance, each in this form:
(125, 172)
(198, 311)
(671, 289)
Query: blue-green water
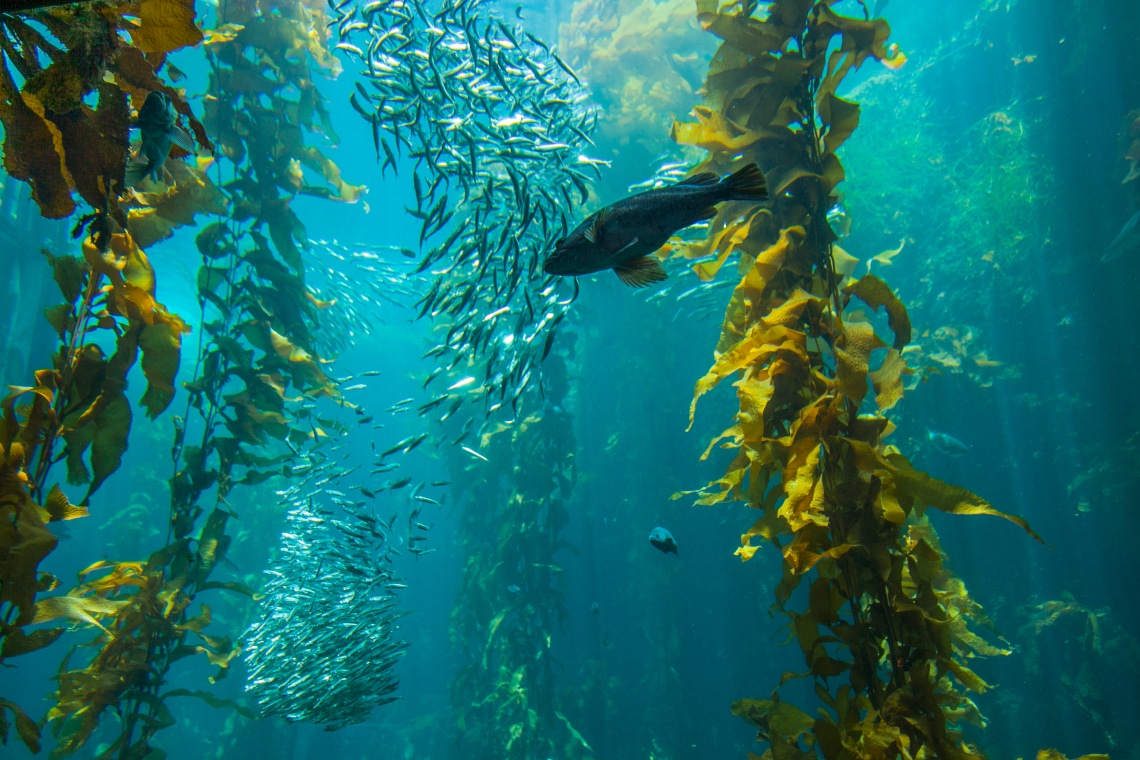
(996, 154)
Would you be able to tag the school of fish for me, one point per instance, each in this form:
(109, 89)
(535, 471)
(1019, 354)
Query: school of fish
(325, 648)
(492, 123)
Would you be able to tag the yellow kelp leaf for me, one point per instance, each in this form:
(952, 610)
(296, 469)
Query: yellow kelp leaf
(754, 394)
(223, 33)
(895, 59)
(963, 635)
(726, 242)
(277, 383)
(161, 346)
(83, 609)
(774, 718)
(966, 677)
(841, 117)
(16, 642)
(714, 132)
(860, 39)
(845, 263)
(853, 357)
(729, 485)
(33, 150)
(748, 295)
(105, 424)
(888, 504)
(24, 542)
(916, 488)
(802, 559)
(28, 729)
(165, 25)
(285, 348)
(805, 493)
(886, 257)
(802, 477)
(887, 380)
(760, 344)
(1052, 754)
(122, 574)
(318, 302)
(769, 526)
(212, 543)
(158, 214)
(875, 293)
(60, 508)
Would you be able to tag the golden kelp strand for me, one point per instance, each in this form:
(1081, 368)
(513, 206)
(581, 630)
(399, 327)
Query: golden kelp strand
(833, 498)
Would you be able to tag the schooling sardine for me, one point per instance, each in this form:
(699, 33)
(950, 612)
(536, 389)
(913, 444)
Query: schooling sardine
(622, 235)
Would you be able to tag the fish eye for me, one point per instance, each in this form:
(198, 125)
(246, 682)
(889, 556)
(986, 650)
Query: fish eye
(558, 243)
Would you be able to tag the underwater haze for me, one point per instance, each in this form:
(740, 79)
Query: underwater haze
(330, 432)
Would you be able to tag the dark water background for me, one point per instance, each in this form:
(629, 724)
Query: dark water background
(682, 637)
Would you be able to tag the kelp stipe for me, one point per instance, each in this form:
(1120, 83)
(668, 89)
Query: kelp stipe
(511, 595)
(844, 508)
(57, 141)
(66, 132)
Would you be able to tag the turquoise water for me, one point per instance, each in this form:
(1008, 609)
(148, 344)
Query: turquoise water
(994, 157)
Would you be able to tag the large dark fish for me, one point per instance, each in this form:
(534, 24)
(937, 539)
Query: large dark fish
(622, 235)
(1127, 240)
(158, 125)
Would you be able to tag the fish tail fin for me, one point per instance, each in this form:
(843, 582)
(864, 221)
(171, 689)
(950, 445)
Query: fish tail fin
(745, 184)
(136, 172)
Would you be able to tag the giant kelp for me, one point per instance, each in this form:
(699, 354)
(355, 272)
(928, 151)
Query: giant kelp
(844, 508)
(65, 121)
(1068, 650)
(511, 593)
(99, 56)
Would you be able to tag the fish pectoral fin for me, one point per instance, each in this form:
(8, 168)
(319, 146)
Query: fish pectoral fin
(707, 214)
(594, 231)
(627, 246)
(182, 139)
(638, 273)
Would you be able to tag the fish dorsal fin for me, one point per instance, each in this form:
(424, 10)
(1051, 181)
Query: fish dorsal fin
(594, 231)
(637, 273)
(704, 178)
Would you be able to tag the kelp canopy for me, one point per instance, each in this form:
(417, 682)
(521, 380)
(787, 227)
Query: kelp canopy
(845, 508)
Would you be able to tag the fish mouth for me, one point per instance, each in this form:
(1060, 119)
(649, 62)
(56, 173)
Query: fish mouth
(557, 265)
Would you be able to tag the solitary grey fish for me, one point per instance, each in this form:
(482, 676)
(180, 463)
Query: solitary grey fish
(946, 444)
(663, 540)
(622, 235)
(158, 124)
(1127, 240)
